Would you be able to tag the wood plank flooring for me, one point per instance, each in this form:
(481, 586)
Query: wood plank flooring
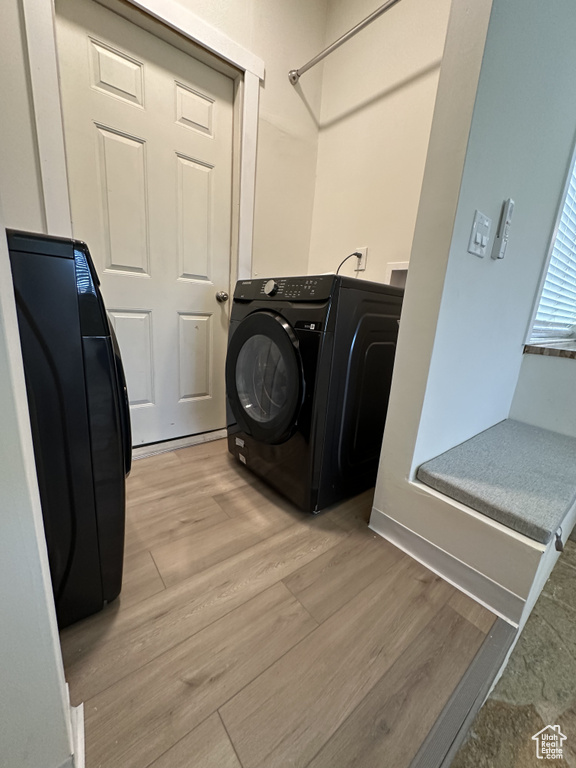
(251, 635)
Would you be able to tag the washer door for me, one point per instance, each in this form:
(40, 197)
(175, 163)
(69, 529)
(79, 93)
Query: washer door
(264, 378)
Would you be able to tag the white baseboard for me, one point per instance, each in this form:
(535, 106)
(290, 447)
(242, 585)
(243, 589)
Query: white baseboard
(77, 717)
(479, 587)
(142, 451)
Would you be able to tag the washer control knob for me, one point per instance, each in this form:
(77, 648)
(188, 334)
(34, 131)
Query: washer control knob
(271, 288)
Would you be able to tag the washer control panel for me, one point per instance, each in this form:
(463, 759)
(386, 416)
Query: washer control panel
(305, 288)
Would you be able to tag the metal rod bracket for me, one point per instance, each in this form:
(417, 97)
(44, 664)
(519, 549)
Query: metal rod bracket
(294, 74)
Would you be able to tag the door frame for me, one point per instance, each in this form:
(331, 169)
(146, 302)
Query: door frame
(40, 32)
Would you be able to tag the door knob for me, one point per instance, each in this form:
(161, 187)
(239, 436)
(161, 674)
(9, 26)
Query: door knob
(221, 296)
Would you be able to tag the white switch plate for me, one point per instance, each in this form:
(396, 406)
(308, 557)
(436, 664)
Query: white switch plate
(480, 235)
(361, 263)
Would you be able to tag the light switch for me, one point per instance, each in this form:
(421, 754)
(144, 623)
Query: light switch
(480, 235)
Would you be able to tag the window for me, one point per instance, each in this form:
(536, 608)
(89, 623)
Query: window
(556, 315)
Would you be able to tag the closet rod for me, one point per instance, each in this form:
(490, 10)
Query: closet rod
(294, 74)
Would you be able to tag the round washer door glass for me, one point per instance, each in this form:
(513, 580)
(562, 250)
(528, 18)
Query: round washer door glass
(261, 378)
(264, 377)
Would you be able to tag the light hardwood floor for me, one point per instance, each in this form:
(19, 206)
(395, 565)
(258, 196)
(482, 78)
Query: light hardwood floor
(251, 635)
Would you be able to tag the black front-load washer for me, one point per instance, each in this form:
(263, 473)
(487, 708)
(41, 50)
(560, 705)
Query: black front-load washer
(79, 417)
(308, 376)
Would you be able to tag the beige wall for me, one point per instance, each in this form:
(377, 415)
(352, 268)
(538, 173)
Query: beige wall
(341, 156)
(378, 96)
(285, 35)
(20, 193)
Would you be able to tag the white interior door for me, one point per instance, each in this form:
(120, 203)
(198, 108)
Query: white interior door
(149, 149)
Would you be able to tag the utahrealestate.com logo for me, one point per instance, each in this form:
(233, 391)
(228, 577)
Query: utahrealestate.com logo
(549, 743)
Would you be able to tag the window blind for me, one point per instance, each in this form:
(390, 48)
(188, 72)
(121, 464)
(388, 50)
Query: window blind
(556, 315)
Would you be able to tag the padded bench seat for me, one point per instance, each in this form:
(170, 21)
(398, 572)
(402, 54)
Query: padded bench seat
(522, 476)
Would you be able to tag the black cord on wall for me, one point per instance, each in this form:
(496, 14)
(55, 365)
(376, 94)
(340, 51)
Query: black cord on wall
(358, 256)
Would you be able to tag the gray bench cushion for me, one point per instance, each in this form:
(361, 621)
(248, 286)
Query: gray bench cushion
(522, 476)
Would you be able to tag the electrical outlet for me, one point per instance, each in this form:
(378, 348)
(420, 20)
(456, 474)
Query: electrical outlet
(361, 263)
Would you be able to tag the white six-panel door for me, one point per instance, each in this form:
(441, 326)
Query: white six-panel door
(149, 150)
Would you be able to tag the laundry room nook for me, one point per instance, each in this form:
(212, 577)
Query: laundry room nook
(287, 341)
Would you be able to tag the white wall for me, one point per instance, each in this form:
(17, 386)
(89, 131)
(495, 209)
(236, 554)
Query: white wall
(34, 713)
(378, 96)
(465, 318)
(520, 145)
(544, 394)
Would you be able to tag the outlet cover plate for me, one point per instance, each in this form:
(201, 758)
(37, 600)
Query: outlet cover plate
(361, 263)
